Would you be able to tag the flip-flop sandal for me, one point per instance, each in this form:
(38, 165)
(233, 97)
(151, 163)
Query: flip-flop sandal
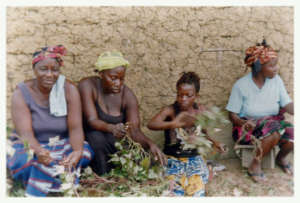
(260, 175)
(285, 166)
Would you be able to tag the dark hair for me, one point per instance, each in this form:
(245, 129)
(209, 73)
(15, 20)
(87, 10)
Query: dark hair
(189, 78)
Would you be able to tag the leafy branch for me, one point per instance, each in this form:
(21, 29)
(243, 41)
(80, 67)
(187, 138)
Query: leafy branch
(134, 174)
(211, 121)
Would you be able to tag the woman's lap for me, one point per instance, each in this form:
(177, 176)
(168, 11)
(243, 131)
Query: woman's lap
(263, 129)
(103, 144)
(188, 174)
(38, 178)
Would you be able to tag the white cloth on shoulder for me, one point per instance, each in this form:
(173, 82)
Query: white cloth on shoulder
(57, 99)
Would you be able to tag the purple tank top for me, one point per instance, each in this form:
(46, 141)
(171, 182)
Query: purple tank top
(44, 124)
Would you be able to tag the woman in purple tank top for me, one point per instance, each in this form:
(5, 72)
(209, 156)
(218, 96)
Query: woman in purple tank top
(39, 119)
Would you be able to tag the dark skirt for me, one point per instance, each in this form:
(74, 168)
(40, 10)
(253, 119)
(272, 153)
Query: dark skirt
(103, 145)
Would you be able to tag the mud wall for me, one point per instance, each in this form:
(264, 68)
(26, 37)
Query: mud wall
(159, 42)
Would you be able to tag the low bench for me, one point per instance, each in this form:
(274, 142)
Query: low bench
(246, 156)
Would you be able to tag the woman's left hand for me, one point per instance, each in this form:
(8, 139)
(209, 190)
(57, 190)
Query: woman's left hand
(72, 159)
(158, 155)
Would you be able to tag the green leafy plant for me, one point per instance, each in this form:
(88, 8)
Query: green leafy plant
(134, 174)
(133, 162)
(212, 121)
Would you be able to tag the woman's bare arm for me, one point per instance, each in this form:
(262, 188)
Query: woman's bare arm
(88, 100)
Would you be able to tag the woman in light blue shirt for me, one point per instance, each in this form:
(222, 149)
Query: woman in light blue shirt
(256, 106)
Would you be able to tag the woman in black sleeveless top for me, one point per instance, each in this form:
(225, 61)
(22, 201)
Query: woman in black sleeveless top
(107, 104)
(186, 169)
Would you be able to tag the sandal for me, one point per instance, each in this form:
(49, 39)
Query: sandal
(261, 176)
(287, 168)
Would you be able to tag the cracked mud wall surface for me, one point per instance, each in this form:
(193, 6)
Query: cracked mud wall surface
(159, 42)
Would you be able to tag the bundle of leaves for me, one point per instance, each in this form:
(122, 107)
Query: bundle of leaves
(134, 174)
(133, 162)
(200, 142)
(211, 121)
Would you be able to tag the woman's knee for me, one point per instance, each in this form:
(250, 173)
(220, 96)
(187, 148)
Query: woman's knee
(286, 144)
(272, 139)
(269, 142)
(96, 139)
(100, 142)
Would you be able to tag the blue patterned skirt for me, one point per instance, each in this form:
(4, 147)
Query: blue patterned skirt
(38, 178)
(188, 176)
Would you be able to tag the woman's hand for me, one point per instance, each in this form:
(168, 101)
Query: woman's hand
(118, 130)
(43, 156)
(158, 155)
(72, 159)
(184, 119)
(249, 125)
(220, 147)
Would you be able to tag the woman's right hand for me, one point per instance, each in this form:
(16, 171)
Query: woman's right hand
(184, 119)
(43, 156)
(118, 130)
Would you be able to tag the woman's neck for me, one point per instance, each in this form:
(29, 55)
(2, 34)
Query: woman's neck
(190, 109)
(42, 90)
(259, 80)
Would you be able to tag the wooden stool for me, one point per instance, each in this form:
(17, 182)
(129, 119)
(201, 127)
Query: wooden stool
(246, 156)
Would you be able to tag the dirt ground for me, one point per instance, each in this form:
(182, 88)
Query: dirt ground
(234, 181)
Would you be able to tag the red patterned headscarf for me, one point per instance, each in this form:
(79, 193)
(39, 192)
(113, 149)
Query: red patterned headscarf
(262, 52)
(55, 52)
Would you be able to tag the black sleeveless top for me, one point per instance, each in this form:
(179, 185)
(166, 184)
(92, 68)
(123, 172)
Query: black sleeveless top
(107, 117)
(172, 145)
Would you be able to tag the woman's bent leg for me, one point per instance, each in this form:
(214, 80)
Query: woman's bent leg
(102, 145)
(267, 144)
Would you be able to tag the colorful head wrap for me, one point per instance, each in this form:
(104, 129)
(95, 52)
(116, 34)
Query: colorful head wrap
(50, 52)
(261, 52)
(110, 60)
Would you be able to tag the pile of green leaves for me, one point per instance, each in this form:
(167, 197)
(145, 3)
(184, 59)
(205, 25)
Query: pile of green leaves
(133, 162)
(134, 174)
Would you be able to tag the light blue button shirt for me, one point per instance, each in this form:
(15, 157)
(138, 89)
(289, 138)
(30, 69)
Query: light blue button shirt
(247, 100)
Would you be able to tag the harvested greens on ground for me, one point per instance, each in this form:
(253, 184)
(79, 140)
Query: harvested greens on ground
(134, 174)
